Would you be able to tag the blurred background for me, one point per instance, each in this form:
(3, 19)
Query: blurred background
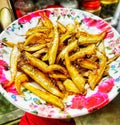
(109, 10)
(106, 9)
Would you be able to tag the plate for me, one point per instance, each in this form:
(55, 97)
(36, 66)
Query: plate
(75, 105)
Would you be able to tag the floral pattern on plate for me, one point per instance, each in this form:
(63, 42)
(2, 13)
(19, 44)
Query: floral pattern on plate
(75, 105)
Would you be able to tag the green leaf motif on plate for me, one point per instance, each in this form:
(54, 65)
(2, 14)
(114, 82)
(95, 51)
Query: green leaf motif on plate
(34, 112)
(5, 52)
(108, 48)
(68, 116)
(118, 88)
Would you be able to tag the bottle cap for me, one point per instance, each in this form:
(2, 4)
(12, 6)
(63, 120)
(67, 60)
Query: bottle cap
(91, 5)
(109, 1)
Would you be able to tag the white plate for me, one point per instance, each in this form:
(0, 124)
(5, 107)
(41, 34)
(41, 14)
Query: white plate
(75, 105)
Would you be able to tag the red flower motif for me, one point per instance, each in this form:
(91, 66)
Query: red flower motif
(24, 19)
(93, 102)
(99, 24)
(2, 76)
(90, 21)
(106, 86)
(96, 101)
(4, 80)
(12, 89)
(2, 63)
(110, 35)
(78, 102)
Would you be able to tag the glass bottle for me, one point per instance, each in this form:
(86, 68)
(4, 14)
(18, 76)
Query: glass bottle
(108, 8)
(69, 3)
(22, 7)
(42, 4)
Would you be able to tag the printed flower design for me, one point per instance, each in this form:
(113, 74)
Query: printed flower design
(114, 46)
(46, 109)
(37, 101)
(118, 79)
(96, 101)
(91, 103)
(3, 79)
(33, 106)
(106, 85)
(14, 97)
(63, 13)
(99, 24)
(78, 102)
